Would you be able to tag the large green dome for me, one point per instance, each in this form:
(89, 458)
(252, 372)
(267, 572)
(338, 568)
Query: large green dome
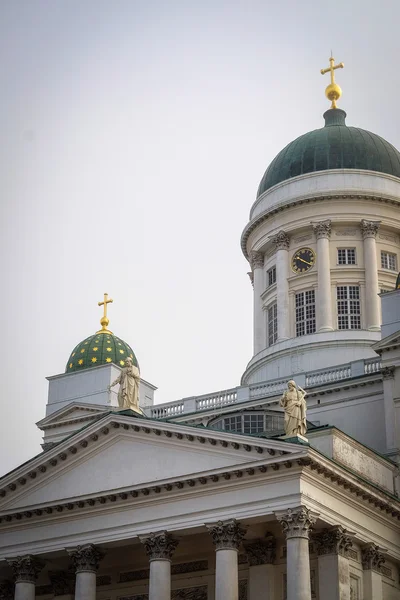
(334, 146)
(99, 349)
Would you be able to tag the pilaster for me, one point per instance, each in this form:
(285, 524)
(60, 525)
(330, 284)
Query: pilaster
(261, 555)
(281, 242)
(323, 230)
(333, 547)
(372, 559)
(369, 230)
(257, 270)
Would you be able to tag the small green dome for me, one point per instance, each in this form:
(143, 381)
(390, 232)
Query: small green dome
(334, 146)
(99, 349)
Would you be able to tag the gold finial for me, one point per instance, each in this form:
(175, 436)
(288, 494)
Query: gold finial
(333, 91)
(104, 321)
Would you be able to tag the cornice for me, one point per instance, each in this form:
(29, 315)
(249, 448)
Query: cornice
(265, 215)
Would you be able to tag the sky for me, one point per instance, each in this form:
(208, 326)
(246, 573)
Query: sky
(133, 137)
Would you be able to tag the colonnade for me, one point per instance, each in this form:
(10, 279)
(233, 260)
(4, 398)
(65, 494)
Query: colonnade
(324, 316)
(333, 546)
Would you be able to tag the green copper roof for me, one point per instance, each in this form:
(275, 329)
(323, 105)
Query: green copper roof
(99, 349)
(334, 146)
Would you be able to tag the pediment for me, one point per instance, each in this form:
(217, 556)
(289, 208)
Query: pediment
(74, 412)
(387, 343)
(122, 451)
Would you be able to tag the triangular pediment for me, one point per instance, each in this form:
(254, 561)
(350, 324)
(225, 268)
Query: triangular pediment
(387, 343)
(74, 412)
(122, 451)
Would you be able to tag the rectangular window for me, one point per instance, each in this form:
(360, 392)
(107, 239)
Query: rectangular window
(305, 313)
(233, 423)
(272, 314)
(253, 423)
(348, 307)
(388, 261)
(271, 276)
(346, 256)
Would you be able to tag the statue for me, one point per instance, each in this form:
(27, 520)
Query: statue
(128, 393)
(397, 282)
(293, 401)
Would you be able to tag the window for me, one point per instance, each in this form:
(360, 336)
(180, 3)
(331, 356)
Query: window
(233, 423)
(272, 314)
(348, 307)
(346, 256)
(253, 423)
(388, 261)
(271, 276)
(250, 423)
(305, 313)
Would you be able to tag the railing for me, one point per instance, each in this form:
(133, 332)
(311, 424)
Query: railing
(333, 374)
(268, 388)
(373, 365)
(167, 410)
(217, 399)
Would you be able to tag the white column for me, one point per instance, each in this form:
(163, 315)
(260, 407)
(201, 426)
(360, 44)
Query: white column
(296, 524)
(261, 555)
(227, 537)
(322, 231)
(372, 559)
(259, 330)
(333, 564)
(25, 569)
(86, 560)
(369, 229)
(281, 241)
(160, 547)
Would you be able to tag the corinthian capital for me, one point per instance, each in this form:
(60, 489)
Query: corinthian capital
(333, 541)
(261, 552)
(369, 228)
(281, 240)
(159, 545)
(372, 558)
(86, 558)
(387, 372)
(322, 229)
(26, 568)
(256, 260)
(297, 522)
(226, 534)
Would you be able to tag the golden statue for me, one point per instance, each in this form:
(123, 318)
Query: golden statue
(293, 401)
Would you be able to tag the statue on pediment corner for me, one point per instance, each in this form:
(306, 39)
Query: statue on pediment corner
(294, 404)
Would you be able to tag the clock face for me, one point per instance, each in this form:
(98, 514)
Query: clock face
(303, 260)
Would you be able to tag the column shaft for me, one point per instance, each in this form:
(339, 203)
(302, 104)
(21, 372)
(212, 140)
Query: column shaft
(334, 577)
(324, 300)
(282, 293)
(373, 589)
(298, 569)
(24, 590)
(259, 329)
(160, 579)
(226, 574)
(85, 585)
(372, 300)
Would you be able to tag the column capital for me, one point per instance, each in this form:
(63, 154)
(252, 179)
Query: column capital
(160, 545)
(388, 372)
(26, 568)
(322, 229)
(226, 534)
(256, 260)
(6, 590)
(297, 522)
(281, 240)
(262, 551)
(369, 228)
(86, 558)
(333, 541)
(372, 557)
(62, 582)
(251, 277)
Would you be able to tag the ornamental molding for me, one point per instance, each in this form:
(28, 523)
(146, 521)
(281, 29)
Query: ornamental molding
(281, 240)
(345, 232)
(192, 593)
(388, 372)
(268, 213)
(227, 534)
(256, 260)
(369, 228)
(333, 541)
(62, 582)
(372, 557)
(262, 551)
(159, 546)
(297, 522)
(86, 558)
(322, 229)
(26, 568)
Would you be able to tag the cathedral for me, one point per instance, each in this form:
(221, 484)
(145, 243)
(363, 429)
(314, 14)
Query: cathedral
(285, 487)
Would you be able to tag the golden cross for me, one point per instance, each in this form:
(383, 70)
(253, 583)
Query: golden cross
(333, 91)
(104, 321)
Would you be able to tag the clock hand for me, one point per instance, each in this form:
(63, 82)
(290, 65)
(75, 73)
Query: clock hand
(304, 261)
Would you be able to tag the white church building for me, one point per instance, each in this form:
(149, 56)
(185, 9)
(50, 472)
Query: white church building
(206, 498)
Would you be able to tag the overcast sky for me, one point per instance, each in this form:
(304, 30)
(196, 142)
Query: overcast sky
(133, 138)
